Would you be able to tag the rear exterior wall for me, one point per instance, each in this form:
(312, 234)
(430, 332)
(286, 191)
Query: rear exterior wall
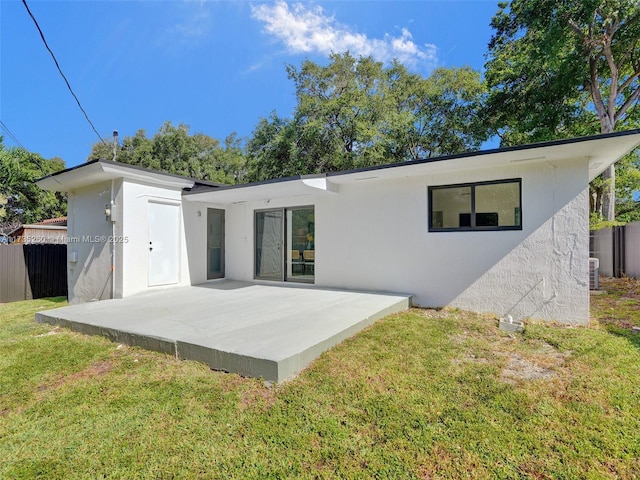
(132, 236)
(89, 253)
(373, 235)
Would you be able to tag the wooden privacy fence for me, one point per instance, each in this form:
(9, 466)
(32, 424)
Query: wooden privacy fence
(32, 271)
(618, 249)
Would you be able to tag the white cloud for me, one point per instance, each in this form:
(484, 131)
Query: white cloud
(307, 29)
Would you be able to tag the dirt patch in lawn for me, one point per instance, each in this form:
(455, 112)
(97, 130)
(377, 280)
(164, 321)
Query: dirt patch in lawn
(257, 397)
(519, 368)
(92, 371)
(542, 364)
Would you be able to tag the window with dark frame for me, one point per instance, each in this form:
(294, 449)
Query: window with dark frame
(494, 205)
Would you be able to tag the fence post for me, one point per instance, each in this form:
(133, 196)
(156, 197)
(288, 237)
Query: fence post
(618, 251)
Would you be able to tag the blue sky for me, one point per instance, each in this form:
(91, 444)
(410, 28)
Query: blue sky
(217, 66)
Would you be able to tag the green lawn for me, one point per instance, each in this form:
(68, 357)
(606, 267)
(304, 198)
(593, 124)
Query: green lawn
(422, 394)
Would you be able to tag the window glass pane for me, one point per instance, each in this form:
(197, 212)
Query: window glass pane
(301, 237)
(451, 207)
(215, 243)
(498, 205)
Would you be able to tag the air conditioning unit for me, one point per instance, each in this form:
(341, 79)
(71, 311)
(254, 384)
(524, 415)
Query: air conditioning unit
(594, 274)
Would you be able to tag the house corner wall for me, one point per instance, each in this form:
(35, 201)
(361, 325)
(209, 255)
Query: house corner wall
(545, 277)
(89, 259)
(117, 242)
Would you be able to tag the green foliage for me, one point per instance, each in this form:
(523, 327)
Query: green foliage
(272, 151)
(357, 113)
(564, 69)
(21, 201)
(174, 150)
(628, 211)
(421, 394)
(338, 112)
(627, 186)
(437, 115)
(559, 69)
(597, 222)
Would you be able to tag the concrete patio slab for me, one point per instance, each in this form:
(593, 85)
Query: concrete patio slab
(256, 330)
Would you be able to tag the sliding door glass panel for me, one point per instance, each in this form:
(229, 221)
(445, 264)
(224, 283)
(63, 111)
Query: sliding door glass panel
(301, 244)
(269, 247)
(215, 243)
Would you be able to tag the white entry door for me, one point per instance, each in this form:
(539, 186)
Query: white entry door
(164, 243)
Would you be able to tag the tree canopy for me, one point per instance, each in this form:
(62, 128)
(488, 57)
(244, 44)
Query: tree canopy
(174, 150)
(554, 70)
(356, 113)
(21, 201)
(560, 69)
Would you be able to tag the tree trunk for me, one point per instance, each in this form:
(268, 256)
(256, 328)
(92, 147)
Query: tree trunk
(609, 193)
(609, 176)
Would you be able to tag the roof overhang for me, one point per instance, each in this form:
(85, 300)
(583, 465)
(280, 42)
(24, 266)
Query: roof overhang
(600, 151)
(99, 171)
(303, 186)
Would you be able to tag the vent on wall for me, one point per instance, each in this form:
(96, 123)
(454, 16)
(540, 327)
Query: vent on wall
(594, 274)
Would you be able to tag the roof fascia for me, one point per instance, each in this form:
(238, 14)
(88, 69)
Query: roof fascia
(97, 171)
(493, 151)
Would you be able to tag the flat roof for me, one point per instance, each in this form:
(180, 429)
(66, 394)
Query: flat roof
(97, 171)
(601, 150)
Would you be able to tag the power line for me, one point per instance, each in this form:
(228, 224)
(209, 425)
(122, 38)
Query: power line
(34, 157)
(60, 70)
(11, 135)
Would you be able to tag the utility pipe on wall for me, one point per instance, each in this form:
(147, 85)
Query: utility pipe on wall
(113, 240)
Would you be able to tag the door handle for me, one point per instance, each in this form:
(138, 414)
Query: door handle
(150, 247)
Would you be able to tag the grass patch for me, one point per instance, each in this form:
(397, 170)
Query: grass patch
(421, 394)
(618, 309)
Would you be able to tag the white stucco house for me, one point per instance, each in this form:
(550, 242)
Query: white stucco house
(503, 231)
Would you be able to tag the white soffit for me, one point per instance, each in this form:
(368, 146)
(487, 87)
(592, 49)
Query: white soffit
(102, 171)
(299, 187)
(601, 152)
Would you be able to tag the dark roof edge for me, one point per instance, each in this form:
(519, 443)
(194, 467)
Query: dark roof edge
(219, 186)
(262, 182)
(514, 148)
(476, 153)
(60, 172)
(134, 167)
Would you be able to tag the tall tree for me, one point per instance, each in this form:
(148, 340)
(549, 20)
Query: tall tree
(356, 113)
(437, 115)
(339, 112)
(174, 150)
(564, 68)
(271, 150)
(21, 200)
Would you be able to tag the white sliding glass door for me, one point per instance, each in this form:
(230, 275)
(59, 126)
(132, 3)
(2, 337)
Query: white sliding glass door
(285, 244)
(269, 245)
